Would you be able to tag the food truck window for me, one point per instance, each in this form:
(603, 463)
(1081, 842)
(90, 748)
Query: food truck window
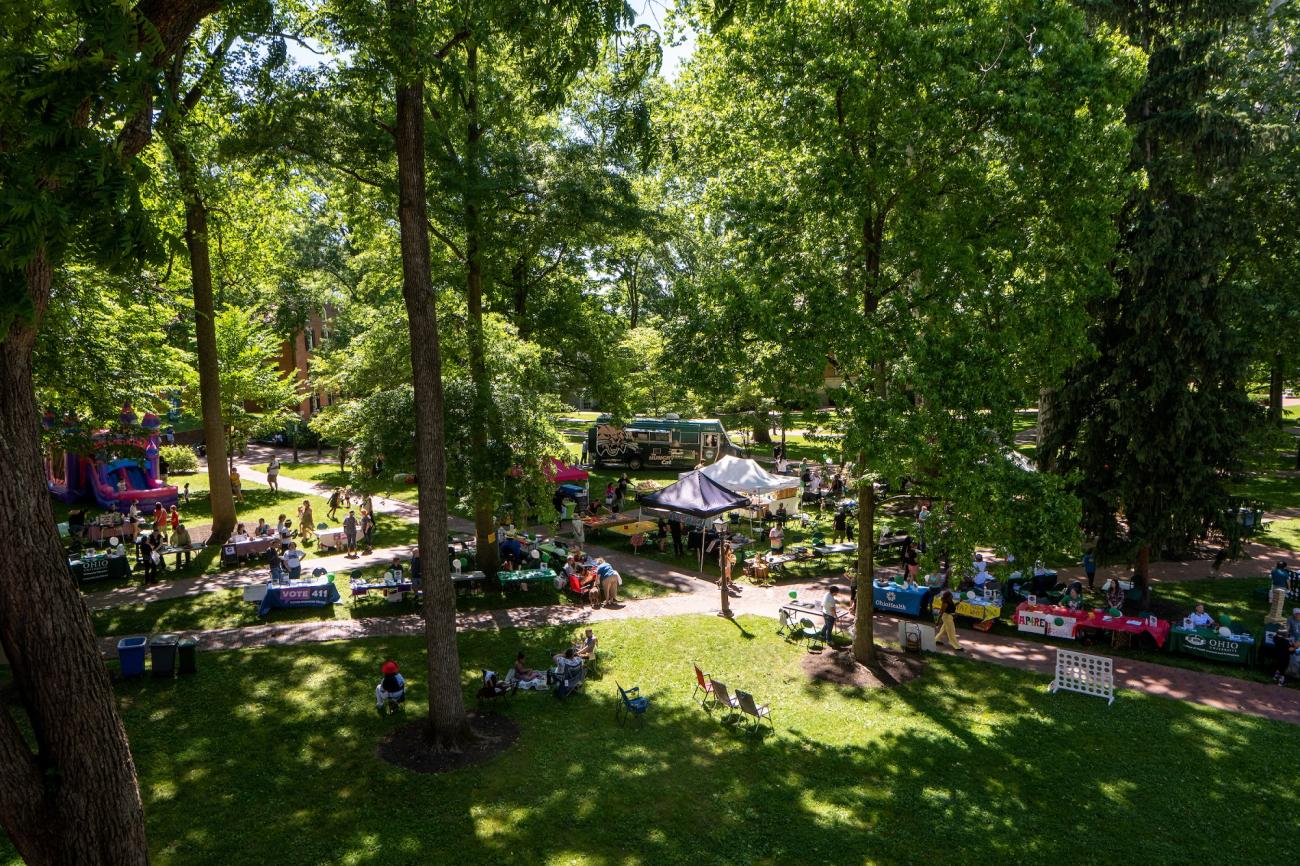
(690, 437)
(660, 436)
(639, 435)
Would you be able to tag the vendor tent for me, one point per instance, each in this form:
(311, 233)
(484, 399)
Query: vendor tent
(746, 476)
(695, 495)
(557, 473)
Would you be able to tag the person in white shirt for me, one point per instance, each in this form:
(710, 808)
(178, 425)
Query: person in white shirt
(777, 538)
(293, 558)
(1200, 619)
(831, 610)
(273, 474)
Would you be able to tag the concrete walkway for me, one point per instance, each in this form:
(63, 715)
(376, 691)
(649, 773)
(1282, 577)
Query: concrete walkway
(1221, 692)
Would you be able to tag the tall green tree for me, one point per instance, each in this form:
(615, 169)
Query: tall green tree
(76, 81)
(1155, 417)
(925, 192)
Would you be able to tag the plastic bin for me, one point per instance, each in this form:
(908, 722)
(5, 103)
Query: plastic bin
(130, 654)
(162, 651)
(186, 650)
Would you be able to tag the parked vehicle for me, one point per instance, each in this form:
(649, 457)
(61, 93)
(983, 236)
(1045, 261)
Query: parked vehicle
(668, 442)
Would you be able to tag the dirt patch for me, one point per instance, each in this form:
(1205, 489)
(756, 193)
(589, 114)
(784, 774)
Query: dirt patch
(841, 669)
(407, 748)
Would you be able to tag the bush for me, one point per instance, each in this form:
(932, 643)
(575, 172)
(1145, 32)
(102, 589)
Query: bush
(179, 458)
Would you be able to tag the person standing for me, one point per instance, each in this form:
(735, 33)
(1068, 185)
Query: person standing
(621, 491)
(947, 623)
(1281, 579)
(164, 469)
(675, 528)
(921, 517)
(181, 541)
(293, 558)
(776, 538)
(350, 534)
(1090, 568)
(275, 563)
(579, 529)
(830, 612)
(367, 530)
(841, 525)
(235, 489)
(333, 512)
(306, 521)
(145, 551)
(174, 518)
(273, 474)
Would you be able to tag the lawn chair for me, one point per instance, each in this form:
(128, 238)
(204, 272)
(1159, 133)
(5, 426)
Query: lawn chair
(572, 680)
(810, 633)
(750, 707)
(493, 690)
(703, 685)
(722, 697)
(631, 703)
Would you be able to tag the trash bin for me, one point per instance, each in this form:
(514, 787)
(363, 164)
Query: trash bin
(185, 651)
(162, 650)
(130, 655)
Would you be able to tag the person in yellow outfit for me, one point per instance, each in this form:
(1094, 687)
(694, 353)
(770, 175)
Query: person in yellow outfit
(947, 627)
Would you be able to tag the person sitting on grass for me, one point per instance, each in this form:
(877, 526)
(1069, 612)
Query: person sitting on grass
(391, 688)
(1200, 619)
(526, 677)
(585, 649)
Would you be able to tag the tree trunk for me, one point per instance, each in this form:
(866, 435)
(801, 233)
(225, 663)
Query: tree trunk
(1046, 418)
(634, 294)
(1275, 390)
(448, 725)
(484, 477)
(864, 638)
(72, 799)
(762, 427)
(205, 333)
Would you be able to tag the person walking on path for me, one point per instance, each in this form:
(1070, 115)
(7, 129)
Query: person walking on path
(1090, 568)
(947, 626)
(273, 474)
(333, 512)
(350, 533)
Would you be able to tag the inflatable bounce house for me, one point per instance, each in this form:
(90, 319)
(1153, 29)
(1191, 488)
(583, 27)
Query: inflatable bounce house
(121, 468)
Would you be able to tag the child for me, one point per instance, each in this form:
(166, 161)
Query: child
(391, 688)
(186, 493)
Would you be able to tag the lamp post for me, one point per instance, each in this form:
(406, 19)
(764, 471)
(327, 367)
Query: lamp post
(718, 526)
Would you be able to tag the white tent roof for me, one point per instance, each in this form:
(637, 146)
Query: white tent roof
(746, 476)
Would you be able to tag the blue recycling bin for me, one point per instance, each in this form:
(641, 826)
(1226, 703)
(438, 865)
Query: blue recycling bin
(130, 655)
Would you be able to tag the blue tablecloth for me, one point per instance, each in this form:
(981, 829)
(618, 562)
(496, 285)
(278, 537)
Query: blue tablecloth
(894, 598)
(315, 592)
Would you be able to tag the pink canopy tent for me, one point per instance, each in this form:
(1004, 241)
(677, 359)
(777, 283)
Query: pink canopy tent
(558, 473)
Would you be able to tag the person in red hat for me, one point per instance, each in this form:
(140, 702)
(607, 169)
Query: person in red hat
(391, 688)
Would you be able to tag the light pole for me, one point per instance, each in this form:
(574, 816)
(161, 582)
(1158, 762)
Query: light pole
(723, 566)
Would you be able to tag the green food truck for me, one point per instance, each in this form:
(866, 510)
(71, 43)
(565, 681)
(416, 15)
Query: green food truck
(669, 442)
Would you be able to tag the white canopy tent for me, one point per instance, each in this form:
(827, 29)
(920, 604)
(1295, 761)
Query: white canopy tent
(748, 478)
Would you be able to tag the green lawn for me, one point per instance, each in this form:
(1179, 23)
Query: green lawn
(1282, 533)
(330, 475)
(270, 755)
(227, 609)
(1274, 491)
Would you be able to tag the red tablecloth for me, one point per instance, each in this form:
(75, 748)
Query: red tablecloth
(1131, 624)
(1049, 619)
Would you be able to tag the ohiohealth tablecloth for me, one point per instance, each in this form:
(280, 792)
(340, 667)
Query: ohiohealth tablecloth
(895, 598)
(313, 592)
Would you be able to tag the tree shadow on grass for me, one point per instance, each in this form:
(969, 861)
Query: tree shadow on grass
(270, 753)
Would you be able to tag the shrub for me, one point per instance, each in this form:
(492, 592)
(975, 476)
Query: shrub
(179, 458)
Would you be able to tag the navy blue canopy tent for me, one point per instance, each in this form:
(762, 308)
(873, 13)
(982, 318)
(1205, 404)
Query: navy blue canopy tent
(695, 495)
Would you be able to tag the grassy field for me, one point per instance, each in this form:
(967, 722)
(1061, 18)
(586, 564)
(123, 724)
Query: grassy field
(270, 755)
(227, 609)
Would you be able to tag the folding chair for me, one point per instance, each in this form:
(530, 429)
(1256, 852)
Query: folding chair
(750, 707)
(722, 697)
(631, 703)
(703, 685)
(810, 633)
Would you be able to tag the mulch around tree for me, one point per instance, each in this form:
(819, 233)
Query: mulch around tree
(838, 667)
(407, 748)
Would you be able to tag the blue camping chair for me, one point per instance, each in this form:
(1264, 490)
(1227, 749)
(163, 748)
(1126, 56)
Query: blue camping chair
(631, 703)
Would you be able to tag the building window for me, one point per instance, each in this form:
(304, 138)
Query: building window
(311, 340)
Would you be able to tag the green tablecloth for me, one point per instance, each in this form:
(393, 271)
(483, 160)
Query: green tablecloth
(532, 575)
(99, 567)
(1208, 644)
